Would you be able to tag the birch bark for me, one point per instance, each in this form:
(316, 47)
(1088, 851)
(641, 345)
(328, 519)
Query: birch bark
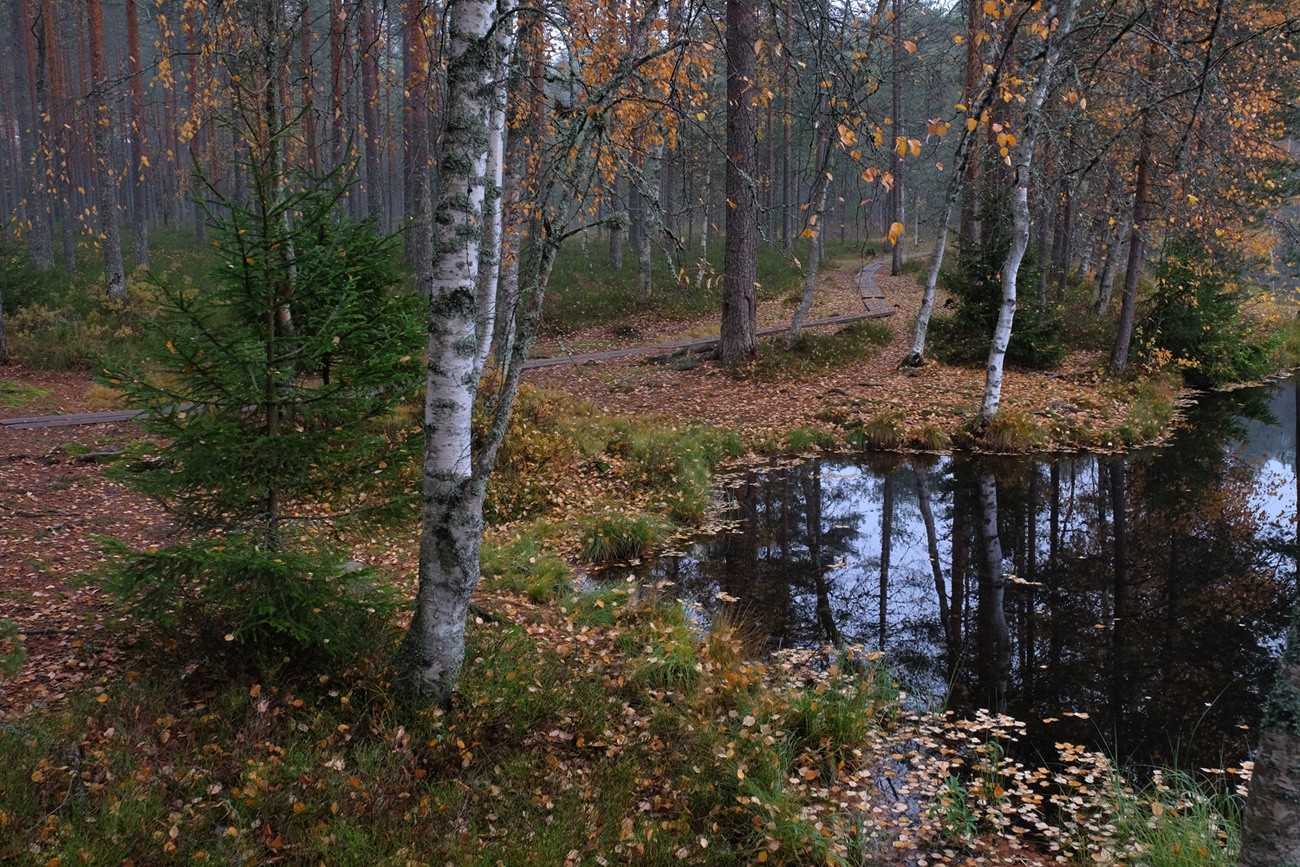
(1020, 207)
(433, 649)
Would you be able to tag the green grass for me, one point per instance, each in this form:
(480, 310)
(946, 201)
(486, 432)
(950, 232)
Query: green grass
(880, 432)
(522, 566)
(615, 537)
(14, 394)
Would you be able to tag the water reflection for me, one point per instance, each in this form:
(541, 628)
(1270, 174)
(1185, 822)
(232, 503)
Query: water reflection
(1138, 601)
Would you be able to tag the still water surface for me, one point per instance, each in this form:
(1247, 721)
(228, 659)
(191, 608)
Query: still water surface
(1139, 601)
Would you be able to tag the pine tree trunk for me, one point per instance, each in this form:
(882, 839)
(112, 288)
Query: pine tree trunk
(418, 238)
(307, 72)
(337, 134)
(740, 300)
(139, 146)
(787, 144)
(106, 178)
(370, 111)
(970, 227)
(40, 240)
(433, 649)
(897, 205)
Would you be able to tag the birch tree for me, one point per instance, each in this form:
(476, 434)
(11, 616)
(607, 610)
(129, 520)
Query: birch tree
(480, 37)
(1055, 31)
(967, 148)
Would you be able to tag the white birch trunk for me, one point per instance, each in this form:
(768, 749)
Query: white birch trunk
(493, 203)
(434, 646)
(1020, 212)
(955, 186)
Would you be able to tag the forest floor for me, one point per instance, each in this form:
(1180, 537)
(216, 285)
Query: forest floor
(1071, 407)
(687, 723)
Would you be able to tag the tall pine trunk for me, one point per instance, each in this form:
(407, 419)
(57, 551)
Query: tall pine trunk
(370, 112)
(138, 154)
(896, 199)
(740, 300)
(40, 240)
(106, 178)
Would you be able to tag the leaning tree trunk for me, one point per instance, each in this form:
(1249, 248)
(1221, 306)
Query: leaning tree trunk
(433, 648)
(1020, 212)
(739, 300)
(1136, 252)
(817, 230)
(106, 179)
(956, 183)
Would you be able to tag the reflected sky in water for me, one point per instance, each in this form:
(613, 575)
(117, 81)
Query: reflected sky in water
(1139, 601)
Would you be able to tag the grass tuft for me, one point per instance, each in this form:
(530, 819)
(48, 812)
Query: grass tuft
(614, 536)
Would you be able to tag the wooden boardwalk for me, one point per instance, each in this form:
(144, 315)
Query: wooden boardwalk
(875, 305)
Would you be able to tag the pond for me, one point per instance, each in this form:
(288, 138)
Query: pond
(1136, 604)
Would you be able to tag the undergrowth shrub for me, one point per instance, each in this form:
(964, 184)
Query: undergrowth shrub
(231, 592)
(976, 286)
(1010, 431)
(882, 431)
(1194, 319)
(536, 451)
(676, 462)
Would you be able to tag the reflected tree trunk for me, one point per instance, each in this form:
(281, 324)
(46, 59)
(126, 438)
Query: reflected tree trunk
(997, 642)
(812, 491)
(1119, 655)
(886, 533)
(932, 546)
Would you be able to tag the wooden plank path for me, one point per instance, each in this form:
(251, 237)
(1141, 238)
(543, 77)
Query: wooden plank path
(873, 297)
(873, 300)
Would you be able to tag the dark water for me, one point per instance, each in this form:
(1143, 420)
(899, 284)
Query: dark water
(1149, 592)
